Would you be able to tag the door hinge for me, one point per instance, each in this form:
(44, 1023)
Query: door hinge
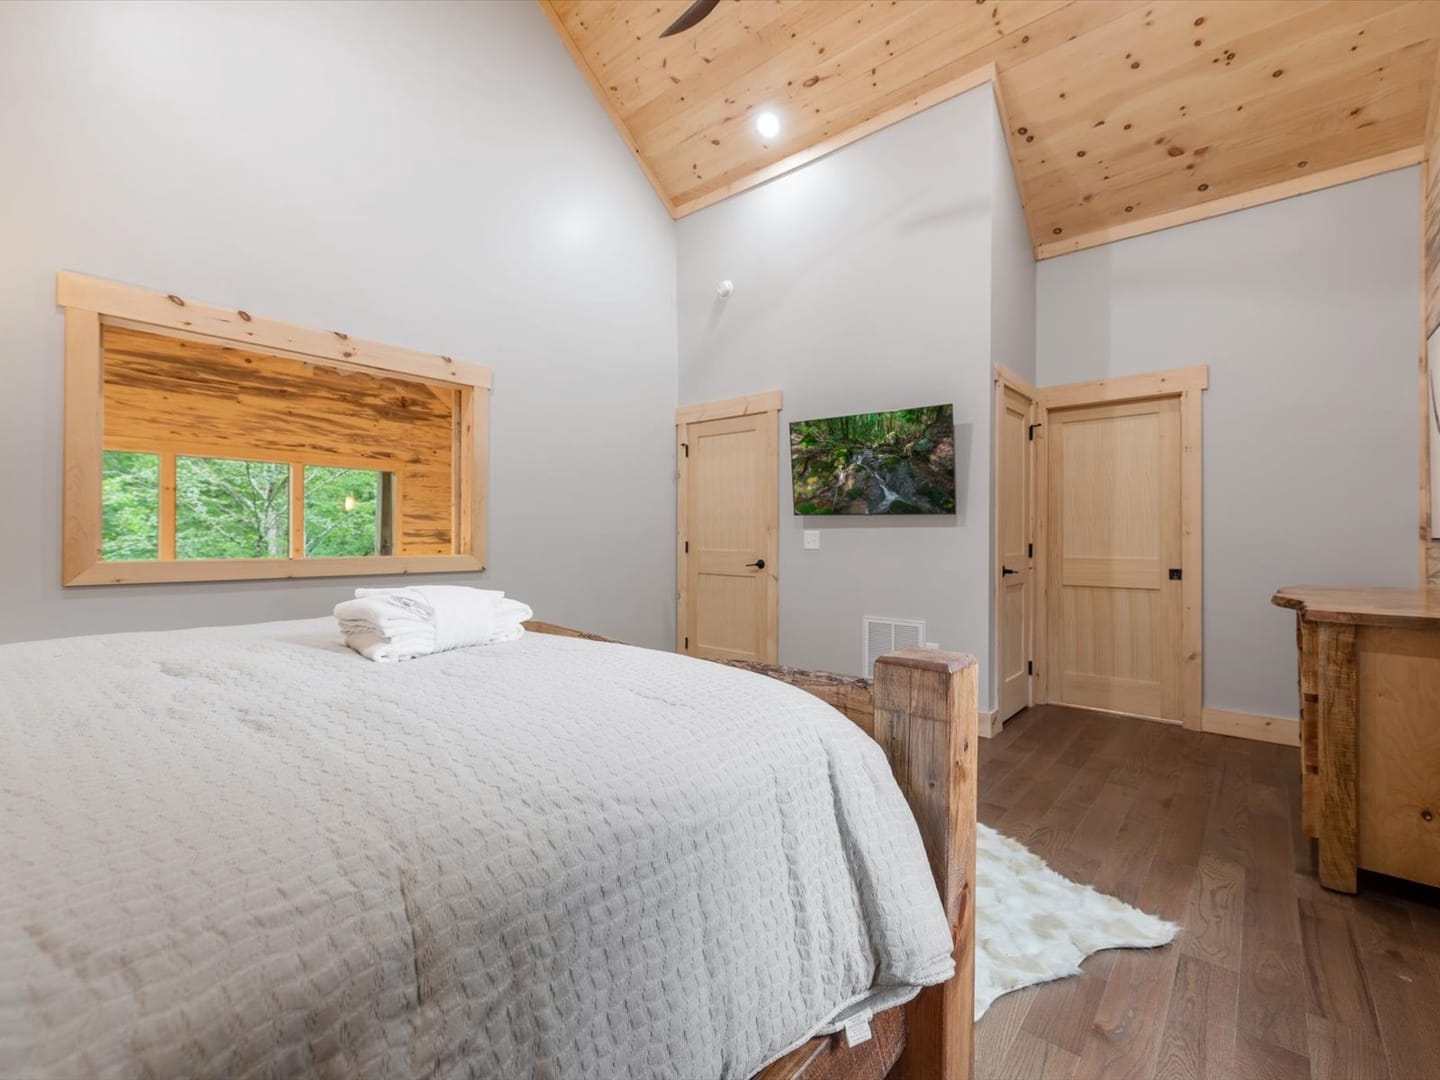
(686, 447)
(1175, 574)
(1029, 667)
(1030, 432)
(1029, 551)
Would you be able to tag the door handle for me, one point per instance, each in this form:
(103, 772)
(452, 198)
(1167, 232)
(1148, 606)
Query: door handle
(1005, 571)
(758, 564)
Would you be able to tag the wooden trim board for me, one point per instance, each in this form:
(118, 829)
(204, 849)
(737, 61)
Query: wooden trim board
(144, 573)
(152, 309)
(1192, 555)
(1019, 382)
(1240, 725)
(297, 511)
(84, 444)
(768, 401)
(1126, 387)
(91, 303)
(1040, 623)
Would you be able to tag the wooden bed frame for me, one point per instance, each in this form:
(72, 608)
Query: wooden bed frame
(922, 709)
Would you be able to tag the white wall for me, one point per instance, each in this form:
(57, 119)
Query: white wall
(862, 282)
(1306, 312)
(438, 176)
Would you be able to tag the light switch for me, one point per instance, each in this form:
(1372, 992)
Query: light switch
(812, 539)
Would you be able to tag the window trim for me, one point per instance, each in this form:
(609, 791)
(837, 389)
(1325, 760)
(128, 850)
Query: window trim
(91, 303)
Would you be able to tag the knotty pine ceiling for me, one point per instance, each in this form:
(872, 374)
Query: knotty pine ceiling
(1121, 117)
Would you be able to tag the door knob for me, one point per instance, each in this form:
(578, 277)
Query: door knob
(758, 564)
(1005, 571)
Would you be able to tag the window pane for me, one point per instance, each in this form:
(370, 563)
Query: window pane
(344, 512)
(227, 509)
(130, 506)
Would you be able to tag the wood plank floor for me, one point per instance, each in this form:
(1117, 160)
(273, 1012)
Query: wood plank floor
(1271, 976)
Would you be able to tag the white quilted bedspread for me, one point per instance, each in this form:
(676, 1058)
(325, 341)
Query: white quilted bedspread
(247, 852)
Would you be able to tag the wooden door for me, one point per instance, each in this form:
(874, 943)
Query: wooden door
(1114, 602)
(1014, 550)
(728, 522)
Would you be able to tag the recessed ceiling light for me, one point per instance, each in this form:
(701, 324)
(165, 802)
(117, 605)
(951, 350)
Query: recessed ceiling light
(768, 125)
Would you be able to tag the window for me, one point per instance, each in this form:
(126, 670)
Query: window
(204, 444)
(229, 509)
(131, 501)
(348, 512)
(226, 508)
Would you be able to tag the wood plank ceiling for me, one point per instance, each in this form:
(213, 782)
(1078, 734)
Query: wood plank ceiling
(1121, 116)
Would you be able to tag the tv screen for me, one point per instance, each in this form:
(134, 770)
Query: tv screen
(900, 462)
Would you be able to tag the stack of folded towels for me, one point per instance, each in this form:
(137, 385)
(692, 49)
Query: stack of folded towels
(401, 624)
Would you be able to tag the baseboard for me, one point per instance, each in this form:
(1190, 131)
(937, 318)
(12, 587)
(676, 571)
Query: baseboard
(1272, 729)
(987, 725)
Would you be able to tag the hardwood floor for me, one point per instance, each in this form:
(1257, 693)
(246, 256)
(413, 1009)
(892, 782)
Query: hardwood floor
(1271, 976)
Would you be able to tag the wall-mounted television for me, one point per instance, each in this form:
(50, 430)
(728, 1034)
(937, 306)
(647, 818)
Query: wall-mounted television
(899, 462)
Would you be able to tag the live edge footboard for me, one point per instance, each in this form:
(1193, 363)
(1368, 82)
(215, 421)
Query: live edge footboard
(921, 708)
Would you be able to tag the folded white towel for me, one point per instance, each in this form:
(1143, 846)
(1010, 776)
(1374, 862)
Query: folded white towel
(400, 624)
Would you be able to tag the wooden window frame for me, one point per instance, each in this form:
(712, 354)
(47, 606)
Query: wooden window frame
(92, 303)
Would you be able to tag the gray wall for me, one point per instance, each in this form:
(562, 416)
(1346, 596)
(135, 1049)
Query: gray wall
(1305, 311)
(1012, 286)
(437, 176)
(862, 282)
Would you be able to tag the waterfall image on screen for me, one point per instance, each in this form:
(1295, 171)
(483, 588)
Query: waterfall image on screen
(900, 462)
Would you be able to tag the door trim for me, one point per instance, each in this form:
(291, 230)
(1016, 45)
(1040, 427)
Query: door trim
(770, 401)
(1005, 378)
(1187, 384)
(1127, 387)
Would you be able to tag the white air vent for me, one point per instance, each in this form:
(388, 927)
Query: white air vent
(887, 635)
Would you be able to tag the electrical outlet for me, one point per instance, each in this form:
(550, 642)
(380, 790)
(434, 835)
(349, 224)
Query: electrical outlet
(931, 645)
(812, 539)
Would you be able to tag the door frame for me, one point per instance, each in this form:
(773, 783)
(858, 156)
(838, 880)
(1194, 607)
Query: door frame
(1007, 379)
(770, 401)
(1188, 384)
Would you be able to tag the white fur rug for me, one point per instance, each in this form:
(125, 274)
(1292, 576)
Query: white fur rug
(1032, 925)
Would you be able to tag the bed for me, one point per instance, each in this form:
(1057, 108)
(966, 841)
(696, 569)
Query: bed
(246, 851)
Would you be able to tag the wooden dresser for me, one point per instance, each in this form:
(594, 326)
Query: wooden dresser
(1370, 729)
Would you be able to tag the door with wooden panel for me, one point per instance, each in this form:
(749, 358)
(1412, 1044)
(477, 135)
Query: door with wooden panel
(1114, 600)
(728, 524)
(1014, 589)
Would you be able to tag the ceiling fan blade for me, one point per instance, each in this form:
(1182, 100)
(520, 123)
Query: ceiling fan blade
(693, 14)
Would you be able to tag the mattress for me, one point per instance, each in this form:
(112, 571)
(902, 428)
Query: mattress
(246, 851)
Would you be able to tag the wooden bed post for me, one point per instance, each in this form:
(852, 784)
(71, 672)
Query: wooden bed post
(925, 718)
